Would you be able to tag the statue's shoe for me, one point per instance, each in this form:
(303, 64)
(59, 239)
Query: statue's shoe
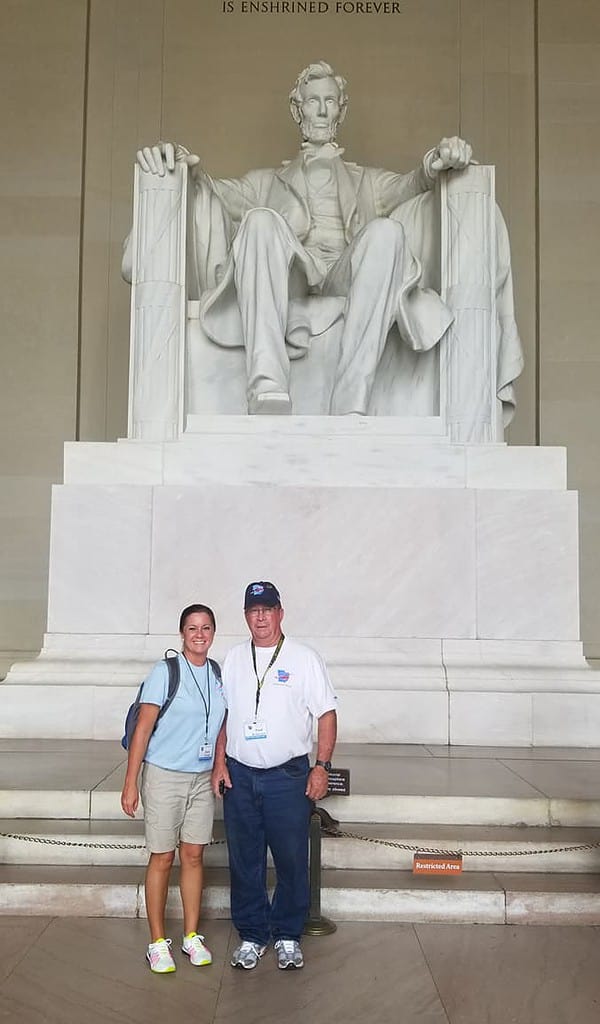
(272, 403)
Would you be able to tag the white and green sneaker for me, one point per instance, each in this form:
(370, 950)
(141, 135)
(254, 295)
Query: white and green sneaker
(159, 957)
(193, 946)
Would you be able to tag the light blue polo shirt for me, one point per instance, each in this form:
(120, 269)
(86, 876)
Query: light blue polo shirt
(181, 732)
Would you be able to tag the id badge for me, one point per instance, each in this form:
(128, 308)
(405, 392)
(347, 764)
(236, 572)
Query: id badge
(255, 731)
(205, 752)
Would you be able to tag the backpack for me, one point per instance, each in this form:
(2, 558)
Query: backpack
(131, 718)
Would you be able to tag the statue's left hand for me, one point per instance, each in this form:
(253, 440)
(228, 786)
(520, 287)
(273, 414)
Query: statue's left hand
(454, 152)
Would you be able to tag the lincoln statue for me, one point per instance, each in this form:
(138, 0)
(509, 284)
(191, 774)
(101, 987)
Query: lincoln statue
(318, 226)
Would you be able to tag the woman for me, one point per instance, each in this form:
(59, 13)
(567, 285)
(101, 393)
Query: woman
(177, 752)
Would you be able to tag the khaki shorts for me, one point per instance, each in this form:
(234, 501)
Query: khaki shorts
(178, 806)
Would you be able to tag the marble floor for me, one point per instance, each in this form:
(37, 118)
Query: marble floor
(80, 970)
(92, 971)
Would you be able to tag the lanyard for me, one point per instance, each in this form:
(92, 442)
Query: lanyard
(205, 702)
(259, 682)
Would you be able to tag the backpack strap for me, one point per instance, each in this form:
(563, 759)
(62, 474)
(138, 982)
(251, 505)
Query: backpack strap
(216, 669)
(172, 659)
(132, 715)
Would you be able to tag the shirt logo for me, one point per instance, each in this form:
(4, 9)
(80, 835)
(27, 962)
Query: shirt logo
(282, 676)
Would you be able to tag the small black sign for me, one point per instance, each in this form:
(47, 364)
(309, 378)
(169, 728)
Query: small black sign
(339, 782)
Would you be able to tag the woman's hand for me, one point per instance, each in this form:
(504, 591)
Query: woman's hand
(130, 798)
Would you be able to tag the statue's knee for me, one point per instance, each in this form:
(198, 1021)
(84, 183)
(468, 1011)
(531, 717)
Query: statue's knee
(260, 221)
(384, 233)
(264, 231)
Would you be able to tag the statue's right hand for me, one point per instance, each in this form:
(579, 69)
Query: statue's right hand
(163, 156)
(157, 159)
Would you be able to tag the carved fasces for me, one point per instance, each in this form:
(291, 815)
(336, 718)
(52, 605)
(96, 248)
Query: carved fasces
(468, 285)
(158, 305)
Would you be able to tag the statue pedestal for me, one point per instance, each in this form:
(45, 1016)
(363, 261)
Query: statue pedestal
(438, 580)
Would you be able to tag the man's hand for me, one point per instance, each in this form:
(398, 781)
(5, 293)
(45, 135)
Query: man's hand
(219, 776)
(449, 153)
(318, 782)
(163, 156)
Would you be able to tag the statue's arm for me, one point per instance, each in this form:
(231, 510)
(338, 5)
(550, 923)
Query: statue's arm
(238, 195)
(218, 206)
(162, 158)
(221, 202)
(392, 188)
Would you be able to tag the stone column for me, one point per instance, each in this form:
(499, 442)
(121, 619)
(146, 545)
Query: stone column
(468, 285)
(158, 306)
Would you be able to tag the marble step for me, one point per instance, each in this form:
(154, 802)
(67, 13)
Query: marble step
(474, 898)
(393, 784)
(365, 847)
(103, 804)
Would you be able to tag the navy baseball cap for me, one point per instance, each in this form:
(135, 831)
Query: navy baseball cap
(261, 593)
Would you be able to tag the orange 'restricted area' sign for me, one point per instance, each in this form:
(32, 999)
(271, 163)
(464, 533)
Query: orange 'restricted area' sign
(437, 864)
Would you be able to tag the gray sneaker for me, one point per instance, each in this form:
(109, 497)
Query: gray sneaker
(289, 954)
(247, 955)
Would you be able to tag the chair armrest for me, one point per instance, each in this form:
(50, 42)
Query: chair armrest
(158, 305)
(468, 285)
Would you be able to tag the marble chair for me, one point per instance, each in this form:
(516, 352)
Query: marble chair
(462, 389)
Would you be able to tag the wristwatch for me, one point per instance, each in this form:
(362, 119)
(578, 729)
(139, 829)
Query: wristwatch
(324, 764)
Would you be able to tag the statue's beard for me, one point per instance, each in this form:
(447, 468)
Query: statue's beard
(318, 131)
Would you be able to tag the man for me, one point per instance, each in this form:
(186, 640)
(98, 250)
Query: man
(274, 689)
(317, 226)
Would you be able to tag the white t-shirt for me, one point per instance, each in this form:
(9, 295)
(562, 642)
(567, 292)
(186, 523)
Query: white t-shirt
(296, 690)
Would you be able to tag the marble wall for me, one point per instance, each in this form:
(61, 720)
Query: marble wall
(87, 83)
(42, 82)
(569, 267)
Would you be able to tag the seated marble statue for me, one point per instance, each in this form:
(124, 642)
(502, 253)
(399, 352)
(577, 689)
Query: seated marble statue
(275, 250)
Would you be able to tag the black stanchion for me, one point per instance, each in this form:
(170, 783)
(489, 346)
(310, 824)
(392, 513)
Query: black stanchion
(316, 924)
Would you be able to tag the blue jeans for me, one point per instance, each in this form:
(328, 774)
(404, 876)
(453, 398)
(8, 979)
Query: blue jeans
(267, 807)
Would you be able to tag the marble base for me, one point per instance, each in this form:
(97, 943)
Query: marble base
(439, 581)
(437, 692)
(332, 451)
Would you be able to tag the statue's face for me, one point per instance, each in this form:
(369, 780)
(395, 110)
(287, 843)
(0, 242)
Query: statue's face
(320, 110)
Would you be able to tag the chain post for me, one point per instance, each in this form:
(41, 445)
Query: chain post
(316, 924)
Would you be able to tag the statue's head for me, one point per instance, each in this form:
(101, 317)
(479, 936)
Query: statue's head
(318, 102)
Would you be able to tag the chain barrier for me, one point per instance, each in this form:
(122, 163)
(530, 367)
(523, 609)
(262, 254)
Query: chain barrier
(332, 833)
(88, 846)
(335, 833)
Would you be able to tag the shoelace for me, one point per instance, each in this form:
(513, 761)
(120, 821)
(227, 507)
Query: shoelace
(157, 952)
(289, 946)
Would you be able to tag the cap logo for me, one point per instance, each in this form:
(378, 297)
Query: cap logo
(257, 589)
